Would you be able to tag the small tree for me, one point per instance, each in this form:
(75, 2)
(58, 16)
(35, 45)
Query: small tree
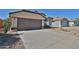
(6, 26)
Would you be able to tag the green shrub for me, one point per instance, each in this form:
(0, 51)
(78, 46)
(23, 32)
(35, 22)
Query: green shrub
(6, 26)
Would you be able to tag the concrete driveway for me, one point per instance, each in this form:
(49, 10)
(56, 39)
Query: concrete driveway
(49, 39)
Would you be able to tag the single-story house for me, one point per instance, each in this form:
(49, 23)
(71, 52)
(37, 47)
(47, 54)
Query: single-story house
(58, 22)
(26, 19)
(76, 22)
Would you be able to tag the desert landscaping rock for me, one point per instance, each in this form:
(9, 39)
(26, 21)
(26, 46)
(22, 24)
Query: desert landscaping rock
(11, 41)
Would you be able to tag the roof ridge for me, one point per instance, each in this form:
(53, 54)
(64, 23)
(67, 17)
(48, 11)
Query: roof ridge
(24, 11)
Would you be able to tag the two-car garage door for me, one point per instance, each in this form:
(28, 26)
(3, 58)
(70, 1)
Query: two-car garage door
(25, 24)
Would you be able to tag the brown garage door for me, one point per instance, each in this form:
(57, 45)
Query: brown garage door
(25, 24)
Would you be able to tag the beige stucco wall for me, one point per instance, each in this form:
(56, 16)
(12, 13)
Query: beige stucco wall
(27, 15)
(56, 24)
(71, 24)
(14, 22)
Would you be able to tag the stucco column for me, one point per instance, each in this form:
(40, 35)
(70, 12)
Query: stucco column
(14, 22)
(43, 22)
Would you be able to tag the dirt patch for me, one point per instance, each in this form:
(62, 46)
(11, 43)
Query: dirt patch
(10, 41)
(56, 28)
(61, 29)
(72, 30)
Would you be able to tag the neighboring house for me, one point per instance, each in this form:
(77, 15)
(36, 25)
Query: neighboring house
(50, 21)
(71, 23)
(59, 22)
(76, 22)
(1, 23)
(26, 19)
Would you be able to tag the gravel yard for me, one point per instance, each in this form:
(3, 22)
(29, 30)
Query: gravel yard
(10, 41)
(50, 39)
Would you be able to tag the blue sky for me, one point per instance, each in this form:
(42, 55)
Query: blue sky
(69, 13)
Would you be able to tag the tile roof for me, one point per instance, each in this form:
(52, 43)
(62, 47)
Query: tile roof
(57, 18)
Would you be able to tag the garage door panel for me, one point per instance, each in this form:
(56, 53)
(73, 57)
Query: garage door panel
(28, 24)
(64, 23)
